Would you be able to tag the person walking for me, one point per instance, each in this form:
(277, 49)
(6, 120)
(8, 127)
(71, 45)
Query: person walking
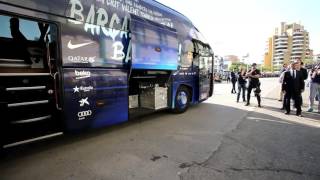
(254, 83)
(242, 84)
(233, 81)
(283, 70)
(289, 67)
(314, 87)
(293, 84)
(228, 78)
(303, 70)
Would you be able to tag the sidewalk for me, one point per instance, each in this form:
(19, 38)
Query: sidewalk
(275, 93)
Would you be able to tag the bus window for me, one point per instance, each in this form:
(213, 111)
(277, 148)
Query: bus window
(187, 54)
(23, 42)
(203, 62)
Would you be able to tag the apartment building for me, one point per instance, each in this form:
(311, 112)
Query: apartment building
(289, 42)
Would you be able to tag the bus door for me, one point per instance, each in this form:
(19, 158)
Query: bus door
(28, 74)
(205, 66)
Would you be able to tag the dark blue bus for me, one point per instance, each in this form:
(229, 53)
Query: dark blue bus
(73, 65)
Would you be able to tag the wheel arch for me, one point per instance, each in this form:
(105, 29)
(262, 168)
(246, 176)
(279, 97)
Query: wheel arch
(188, 87)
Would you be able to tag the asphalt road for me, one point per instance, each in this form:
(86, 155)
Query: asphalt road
(218, 139)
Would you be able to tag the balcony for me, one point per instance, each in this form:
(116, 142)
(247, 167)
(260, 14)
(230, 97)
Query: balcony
(281, 43)
(298, 42)
(296, 53)
(297, 48)
(282, 38)
(278, 58)
(298, 33)
(281, 47)
(295, 56)
(301, 38)
(277, 61)
(280, 51)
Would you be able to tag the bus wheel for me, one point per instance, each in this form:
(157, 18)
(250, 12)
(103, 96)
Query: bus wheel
(182, 100)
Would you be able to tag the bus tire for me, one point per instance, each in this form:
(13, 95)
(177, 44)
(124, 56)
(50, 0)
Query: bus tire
(182, 100)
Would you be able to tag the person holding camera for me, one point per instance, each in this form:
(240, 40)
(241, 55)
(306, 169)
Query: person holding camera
(254, 83)
(314, 87)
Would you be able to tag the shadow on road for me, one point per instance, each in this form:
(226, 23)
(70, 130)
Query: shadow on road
(253, 145)
(314, 116)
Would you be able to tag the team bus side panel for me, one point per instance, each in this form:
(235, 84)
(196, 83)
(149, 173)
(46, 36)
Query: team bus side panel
(94, 98)
(95, 76)
(94, 56)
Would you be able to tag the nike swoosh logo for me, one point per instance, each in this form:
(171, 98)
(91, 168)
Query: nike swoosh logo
(75, 46)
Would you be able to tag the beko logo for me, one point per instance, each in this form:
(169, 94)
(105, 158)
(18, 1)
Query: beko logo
(82, 74)
(83, 114)
(81, 59)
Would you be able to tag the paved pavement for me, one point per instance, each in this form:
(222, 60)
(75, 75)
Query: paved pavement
(218, 139)
(265, 145)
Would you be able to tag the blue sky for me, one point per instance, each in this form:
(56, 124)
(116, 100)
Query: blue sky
(240, 27)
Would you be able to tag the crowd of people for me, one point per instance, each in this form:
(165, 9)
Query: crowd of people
(247, 81)
(294, 79)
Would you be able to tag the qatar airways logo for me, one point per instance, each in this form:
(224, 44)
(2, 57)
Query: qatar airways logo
(81, 59)
(82, 74)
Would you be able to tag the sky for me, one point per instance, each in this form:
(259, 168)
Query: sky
(239, 27)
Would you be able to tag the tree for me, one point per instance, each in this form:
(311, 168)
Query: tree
(236, 66)
(308, 61)
(266, 68)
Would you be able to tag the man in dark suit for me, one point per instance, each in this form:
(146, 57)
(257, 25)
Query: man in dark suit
(293, 86)
(303, 70)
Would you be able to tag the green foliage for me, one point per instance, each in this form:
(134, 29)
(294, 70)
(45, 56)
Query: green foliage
(308, 61)
(237, 65)
(266, 69)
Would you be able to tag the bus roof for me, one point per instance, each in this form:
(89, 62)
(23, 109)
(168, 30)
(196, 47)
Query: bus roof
(58, 7)
(169, 9)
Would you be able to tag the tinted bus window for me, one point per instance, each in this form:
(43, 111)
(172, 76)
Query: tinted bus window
(23, 42)
(187, 54)
(28, 28)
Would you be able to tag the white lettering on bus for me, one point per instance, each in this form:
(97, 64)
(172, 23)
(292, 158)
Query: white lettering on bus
(76, 11)
(82, 74)
(118, 53)
(81, 59)
(97, 21)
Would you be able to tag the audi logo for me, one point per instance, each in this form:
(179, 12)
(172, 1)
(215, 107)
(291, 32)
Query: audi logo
(84, 113)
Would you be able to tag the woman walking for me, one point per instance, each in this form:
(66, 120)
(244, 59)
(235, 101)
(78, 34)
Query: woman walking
(242, 84)
(233, 81)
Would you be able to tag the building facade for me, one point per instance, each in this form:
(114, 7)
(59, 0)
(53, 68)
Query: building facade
(268, 54)
(288, 43)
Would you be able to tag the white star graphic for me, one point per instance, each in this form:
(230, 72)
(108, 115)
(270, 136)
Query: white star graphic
(76, 89)
(83, 102)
